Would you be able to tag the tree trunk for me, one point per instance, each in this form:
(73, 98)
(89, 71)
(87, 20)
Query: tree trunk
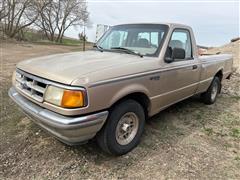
(61, 37)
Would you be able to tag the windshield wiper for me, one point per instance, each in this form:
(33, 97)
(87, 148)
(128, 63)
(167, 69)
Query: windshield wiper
(128, 51)
(98, 47)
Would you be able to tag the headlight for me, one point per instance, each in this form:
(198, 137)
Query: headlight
(65, 98)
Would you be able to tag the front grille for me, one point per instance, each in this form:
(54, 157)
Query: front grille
(30, 86)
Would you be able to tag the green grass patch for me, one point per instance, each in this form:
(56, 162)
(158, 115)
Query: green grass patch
(235, 97)
(235, 132)
(36, 37)
(208, 131)
(237, 158)
(46, 42)
(71, 42)
(199, 116)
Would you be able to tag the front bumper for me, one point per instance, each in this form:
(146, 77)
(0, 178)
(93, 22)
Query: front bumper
(70, 130)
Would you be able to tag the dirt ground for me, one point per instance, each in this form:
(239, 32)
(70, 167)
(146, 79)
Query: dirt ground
(189, 140)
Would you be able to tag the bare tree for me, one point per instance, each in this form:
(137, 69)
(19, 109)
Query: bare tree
(46, 20)
(3, 9)
(21, 14)
(59, 15)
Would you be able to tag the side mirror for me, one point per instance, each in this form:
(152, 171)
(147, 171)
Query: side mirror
(176, 53)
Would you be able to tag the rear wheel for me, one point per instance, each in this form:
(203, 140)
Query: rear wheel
(123, 129)
(210, 96)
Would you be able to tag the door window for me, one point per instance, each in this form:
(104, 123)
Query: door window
(181, 39)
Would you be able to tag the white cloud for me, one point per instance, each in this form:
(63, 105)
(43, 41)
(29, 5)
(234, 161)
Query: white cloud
(214, 23)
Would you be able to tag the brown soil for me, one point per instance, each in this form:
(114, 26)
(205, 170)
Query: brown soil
(186, 141)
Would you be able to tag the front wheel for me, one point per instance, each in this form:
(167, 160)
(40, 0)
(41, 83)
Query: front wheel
(210, 96)
(123, 128)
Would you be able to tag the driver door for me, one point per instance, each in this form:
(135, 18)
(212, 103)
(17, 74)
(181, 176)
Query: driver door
(179, 79)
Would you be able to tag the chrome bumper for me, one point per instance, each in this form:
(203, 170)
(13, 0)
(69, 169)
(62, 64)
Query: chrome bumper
(70, 130)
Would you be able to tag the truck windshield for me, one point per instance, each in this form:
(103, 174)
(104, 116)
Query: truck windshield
(139, 39)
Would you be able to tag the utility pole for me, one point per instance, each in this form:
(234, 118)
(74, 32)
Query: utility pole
(84, 37)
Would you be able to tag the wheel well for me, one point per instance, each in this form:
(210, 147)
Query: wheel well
(219, 75)
(141, 98)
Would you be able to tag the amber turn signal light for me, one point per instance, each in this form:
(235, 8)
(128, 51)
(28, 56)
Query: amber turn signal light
(72, 99)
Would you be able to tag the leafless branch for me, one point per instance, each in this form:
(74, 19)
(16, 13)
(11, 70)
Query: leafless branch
(58, 16)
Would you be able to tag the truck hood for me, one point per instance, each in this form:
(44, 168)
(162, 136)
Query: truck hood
(65, 68)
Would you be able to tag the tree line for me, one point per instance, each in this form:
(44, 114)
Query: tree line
(51, 17)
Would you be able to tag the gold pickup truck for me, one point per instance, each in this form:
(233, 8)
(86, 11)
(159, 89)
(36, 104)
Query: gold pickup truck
(133, 72)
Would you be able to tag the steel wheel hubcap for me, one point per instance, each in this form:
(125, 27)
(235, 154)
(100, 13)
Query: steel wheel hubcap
(214, 91)
(127, 128)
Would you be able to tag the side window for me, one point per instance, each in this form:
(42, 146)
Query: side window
(181, 39)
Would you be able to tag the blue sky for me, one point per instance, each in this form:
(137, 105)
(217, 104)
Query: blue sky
(214, 22)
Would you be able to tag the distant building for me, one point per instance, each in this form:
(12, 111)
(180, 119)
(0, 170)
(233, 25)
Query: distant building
(101, 29)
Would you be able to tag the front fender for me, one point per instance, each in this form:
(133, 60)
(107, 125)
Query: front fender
(127, 90)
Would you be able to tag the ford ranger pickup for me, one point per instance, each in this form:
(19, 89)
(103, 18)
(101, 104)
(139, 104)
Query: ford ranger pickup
(133, 72)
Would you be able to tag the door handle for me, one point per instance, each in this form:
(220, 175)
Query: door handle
(194, 67)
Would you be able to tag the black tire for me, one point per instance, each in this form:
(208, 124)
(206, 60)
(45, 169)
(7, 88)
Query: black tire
(209, 96)
(107, 138)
